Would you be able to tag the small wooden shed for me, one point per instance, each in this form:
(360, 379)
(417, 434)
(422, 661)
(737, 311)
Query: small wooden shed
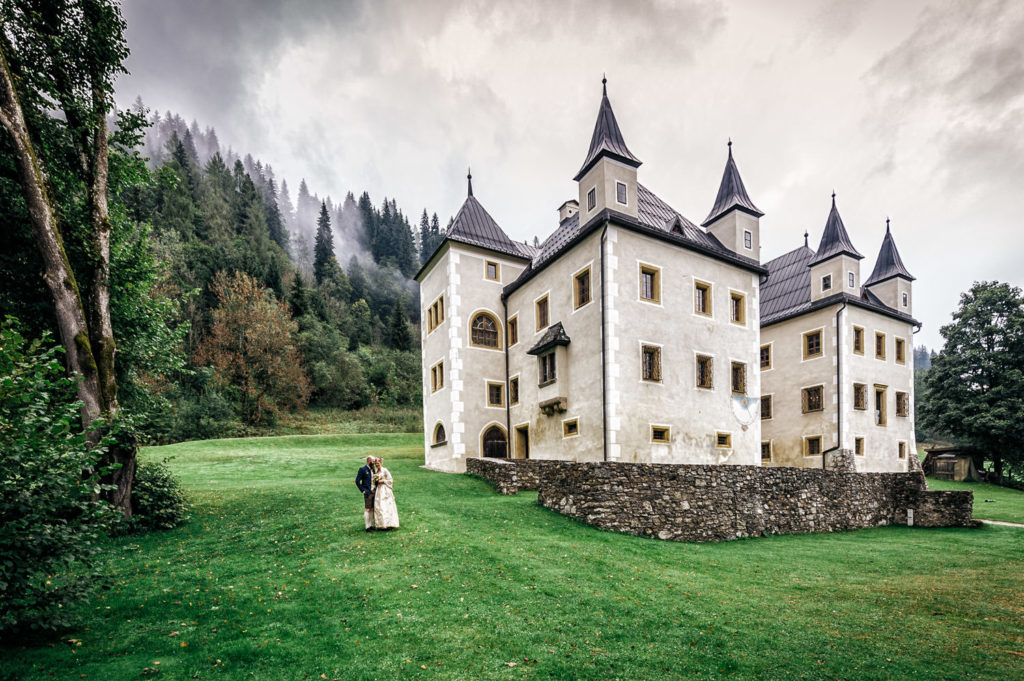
(950, 462)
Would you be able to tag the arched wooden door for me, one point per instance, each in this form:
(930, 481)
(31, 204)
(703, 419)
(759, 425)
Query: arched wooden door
(495, 443)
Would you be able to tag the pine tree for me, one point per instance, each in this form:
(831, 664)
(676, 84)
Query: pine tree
(298, 297)
(284, 203)
(357, 278)
(398, 328)
(323, 249)
(278, 232)
(425, 241)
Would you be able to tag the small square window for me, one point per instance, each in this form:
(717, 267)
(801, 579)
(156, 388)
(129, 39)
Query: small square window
(737, 308)
(570, 428)
(826, 282)
(766, 407)
(661, 434)
(748, 239)
(812, 344)
(620, 193)
(723, 440)
(766, 357)
(739, 378)
(495, 395)
(813, 399)
(547, 368)
(812, 446)
(704, 372)
(513, 331)
(858, 446)
(766, 451)
(542, 313)
(901, 353)
(650, 359)
(581, 290)
(650, 284)
(879, 345)
(860, 396)
(702, 298)
(858, 340)
(592, 199)
(513, 391)
(492, 271)
(851, 279)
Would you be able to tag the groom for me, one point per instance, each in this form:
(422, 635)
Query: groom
(364, 481)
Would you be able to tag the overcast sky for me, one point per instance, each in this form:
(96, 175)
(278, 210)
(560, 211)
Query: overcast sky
(913, 110)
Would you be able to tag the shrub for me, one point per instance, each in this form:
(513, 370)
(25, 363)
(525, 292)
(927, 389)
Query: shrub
(50, 515)
(158, 501)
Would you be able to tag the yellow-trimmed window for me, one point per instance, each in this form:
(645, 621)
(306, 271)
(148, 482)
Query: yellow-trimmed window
(571, 428)
(650, 284)
(812, 344)
(737, 308)
(702, 298)
(661, 434)
(581, 288)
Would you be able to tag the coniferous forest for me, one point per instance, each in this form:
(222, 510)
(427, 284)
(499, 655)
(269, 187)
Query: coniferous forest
(230, 299)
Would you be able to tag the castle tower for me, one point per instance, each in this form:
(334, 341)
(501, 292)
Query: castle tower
(836, 265)
(890, 280)
(735, 220)
(607, 179)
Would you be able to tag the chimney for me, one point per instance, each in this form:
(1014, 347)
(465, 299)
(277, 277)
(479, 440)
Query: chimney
(567, 210)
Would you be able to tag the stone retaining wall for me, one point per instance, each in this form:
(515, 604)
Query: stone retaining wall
(712, 503)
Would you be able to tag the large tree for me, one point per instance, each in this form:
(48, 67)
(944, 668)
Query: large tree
(975, 386)
(323, 248)
(64, 56)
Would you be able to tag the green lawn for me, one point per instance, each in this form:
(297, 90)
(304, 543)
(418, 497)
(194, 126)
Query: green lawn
(991, 502)
(274, 579)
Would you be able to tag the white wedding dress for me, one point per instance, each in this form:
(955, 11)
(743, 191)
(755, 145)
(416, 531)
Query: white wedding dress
(385, 512)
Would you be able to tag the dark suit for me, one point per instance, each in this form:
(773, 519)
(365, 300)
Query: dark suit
(364, 481)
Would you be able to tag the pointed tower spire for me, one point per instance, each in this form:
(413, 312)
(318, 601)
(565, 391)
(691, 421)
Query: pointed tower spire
(607, 138)
(835, 240)
(469, 182)
(731, 194)
(888, 264)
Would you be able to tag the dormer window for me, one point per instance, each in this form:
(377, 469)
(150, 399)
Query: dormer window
(620, 193)
(592, 198)
(826, 282)
(748, 239)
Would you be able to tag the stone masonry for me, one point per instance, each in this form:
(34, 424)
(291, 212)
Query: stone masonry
(714, 503)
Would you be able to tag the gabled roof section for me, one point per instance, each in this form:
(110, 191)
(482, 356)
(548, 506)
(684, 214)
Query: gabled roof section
(834, 240)
(607, 139)
(889, 264)
(473, 225)
(554, 335)
(732, 194)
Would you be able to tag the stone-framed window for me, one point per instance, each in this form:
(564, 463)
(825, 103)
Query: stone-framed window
(702, 298)
(484, 331)
(440, 437)
(650, 363)
(858, 446)
(492, 271)
(902, 404)
(766, 357)
(570, 427)
(547, 368)
(436, 377)
(513, 390)
(738, 377)
(542, 313)
(766, 451)
(766, 407)
(813, 399)
(650, 283)
(812, 345)
(435, 314)
(513, 331)
(723, 440)
(495, 394)
(737, 308)
(858, 340)
(661, 434)
(705, 372)
(860, 396)
(581, 288)
(812, 445)
(880, 408)
(879, 345)
(901, 450)
(620, 194)
(901, 351)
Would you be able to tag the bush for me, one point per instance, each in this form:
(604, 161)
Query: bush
(158, 501)
(50, 515)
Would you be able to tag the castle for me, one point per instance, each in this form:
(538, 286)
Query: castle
(633, 334)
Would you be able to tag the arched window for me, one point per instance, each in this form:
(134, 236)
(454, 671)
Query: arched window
(484, 331)
(439, 436)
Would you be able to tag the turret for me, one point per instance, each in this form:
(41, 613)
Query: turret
(607, 178)
(735, 220)
(890, 281)
(836, 265)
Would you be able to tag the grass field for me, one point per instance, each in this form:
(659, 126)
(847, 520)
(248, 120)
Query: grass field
(274, 579)
(991, 502)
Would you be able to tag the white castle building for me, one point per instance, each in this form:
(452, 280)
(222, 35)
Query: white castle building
(633, 334)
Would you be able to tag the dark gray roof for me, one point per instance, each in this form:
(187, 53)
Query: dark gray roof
(554, 335)
(731, 194)
(473, 225)
(834, 240)
(787, 292)
(788, 288)
(889, 264)
(607, 139)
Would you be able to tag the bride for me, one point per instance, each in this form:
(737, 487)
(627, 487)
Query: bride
(385, 513)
